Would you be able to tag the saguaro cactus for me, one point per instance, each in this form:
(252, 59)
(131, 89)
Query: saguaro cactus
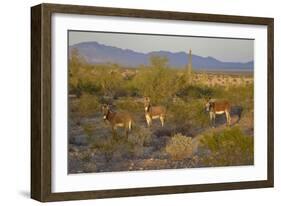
(189, 62)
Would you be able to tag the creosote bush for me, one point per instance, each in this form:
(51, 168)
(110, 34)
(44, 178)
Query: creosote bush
(179, 147)
(140, 136)
(186, 113)
(228, 147)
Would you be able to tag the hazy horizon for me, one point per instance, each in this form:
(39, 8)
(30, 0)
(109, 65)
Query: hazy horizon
(223, 49)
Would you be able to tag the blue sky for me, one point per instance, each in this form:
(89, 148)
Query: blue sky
(236, 50)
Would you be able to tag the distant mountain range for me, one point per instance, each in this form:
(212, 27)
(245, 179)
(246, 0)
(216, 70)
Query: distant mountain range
(96, 53)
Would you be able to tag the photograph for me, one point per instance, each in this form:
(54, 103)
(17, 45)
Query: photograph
(156, 101)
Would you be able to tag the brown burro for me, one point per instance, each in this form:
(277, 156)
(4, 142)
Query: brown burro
(215, 107)
(117, 119)
(153, 112)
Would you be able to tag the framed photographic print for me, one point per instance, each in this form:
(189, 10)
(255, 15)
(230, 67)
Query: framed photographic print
(130, 102)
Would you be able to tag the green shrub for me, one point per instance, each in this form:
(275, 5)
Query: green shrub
(228, 147)
(195, 92)
(88, 104)
(179, 147)
(189, 113)
(129, 104)
(140, 136)
(120, 146)
(156, 80)
(242, 96)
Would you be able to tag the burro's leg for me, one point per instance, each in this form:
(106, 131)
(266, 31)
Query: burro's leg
(129, 125)
(113, 129)
(148, 120)
(228, 118)
(128, 128)
(162, 120)
(212, 119)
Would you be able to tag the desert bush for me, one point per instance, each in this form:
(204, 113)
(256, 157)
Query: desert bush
(88, 129)
(228, 147)
(87, 105)
(82, 79)
(156, 81)
(195, 92)
(109, 146)
(104, 79)
(234, 92)
(200, 117)
(122, 147)
(131, 88)
(109, 81)
(189, 113)
(179, 147)
(164, 131)
(243, 96)
(129, 104)
(140, 136)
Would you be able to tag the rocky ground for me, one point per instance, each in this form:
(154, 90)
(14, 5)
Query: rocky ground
(92, 148)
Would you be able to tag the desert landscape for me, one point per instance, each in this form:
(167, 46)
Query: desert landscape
(185, 139)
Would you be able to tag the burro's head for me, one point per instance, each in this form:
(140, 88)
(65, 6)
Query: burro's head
(146, 104)
(105, 110)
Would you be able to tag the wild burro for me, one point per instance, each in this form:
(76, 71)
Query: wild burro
(215, 107)
(153, 112)
(117, 119)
